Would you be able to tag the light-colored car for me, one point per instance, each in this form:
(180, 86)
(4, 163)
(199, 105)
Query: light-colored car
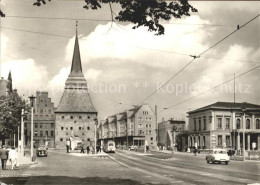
(218, 155)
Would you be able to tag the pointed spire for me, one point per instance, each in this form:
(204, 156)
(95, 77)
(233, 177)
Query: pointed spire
(10, 83)
(10, 76)
(76, 68)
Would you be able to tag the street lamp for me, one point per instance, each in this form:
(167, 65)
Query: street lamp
(96, 123)
(244, 124)
(32, 104)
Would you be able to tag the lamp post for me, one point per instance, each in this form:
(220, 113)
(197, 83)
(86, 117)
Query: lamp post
(244, 124)
(32, 104)
(96, 122)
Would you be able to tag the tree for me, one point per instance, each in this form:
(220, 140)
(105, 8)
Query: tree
(148, 13)
(10, 114)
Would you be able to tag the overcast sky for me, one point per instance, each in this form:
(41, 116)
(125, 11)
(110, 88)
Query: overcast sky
(123, 66)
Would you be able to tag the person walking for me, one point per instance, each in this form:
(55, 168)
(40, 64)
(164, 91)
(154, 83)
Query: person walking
(13, 157)
(68, 146)
(88, 149)
(82, 149)
(4, 156)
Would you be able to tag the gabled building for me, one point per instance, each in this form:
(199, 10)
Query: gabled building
(43, 122)
(222, 125)
(6, 86)
(131, 127)
(75, 114)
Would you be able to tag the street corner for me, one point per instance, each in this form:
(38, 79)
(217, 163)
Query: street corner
(21, 171)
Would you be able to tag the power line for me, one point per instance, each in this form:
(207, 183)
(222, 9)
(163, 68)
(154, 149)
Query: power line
(41, 33)
(197, 56)
(210, 89)
(109, 20)
(58, 18)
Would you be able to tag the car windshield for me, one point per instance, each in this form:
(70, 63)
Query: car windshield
(220, 152)
(110, 144)
(41, 148)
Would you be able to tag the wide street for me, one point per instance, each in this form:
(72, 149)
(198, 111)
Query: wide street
(128, 167)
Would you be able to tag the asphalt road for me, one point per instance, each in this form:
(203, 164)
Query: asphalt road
(190, 169)
(130, 168)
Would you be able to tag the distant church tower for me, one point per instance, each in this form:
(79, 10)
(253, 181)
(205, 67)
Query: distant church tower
(75, 114)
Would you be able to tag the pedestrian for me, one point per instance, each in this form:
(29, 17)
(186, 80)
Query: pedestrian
(4, 156)
(68, 145)
(82, 149)
(13, 158)
(88, 149)
(195, 151)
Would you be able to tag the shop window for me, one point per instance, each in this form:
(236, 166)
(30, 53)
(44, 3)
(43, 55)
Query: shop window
(238, 124)
(247, 123)
(257, 124)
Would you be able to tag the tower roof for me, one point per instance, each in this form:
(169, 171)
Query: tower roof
(76, 68)
(75, 98)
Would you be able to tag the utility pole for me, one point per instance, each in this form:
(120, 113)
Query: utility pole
(156, 125)
(244, 121)
(234, 87)
(32, 104)
(22, 133)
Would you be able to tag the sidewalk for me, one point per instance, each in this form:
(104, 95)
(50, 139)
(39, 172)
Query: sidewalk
(78, 154)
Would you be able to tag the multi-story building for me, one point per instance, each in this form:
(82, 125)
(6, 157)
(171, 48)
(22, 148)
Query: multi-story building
(170, 133)
(222, 124)
(43, 121)
(75, 114)
(6, 85)
(131, 127)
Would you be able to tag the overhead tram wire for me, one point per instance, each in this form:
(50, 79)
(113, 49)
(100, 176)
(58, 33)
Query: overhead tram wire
(41, 33)
(148, 49)
(197, 56)
(109, 20)
(232, 79)
(59, 18)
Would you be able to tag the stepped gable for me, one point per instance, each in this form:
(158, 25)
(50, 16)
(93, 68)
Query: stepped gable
(75, 97)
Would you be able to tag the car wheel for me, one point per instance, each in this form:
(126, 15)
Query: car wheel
(226, 162)
(212, 161)
(207, 161)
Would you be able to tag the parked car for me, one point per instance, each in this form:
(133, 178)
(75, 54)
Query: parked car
(42, 151)
(218, 155)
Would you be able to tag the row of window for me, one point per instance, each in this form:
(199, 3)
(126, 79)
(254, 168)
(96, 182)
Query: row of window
(71, 128)
(227, 121)
(144, 119)
(74, 117)
(145, 112)
(142, 125)
(61, 139)
(248, 124)
(40, 133)
(43, 125)
(199, 124)
(202, 142)
(141, 132)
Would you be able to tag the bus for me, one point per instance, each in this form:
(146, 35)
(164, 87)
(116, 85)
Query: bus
(109, 146)
(75, 143)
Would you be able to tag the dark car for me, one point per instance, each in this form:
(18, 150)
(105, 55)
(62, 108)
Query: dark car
(42, 151)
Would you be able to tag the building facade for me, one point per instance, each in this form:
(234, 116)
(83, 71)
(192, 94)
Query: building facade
(43, 122)
(6, 85)
(170, 133)
(222, 124)
(75, 114)
(131, 127)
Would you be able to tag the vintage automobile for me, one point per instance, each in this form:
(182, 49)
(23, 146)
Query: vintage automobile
(42, 151)
(217, 155)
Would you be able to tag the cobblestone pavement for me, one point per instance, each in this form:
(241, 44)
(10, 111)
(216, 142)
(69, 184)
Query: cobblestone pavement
(23, 171)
